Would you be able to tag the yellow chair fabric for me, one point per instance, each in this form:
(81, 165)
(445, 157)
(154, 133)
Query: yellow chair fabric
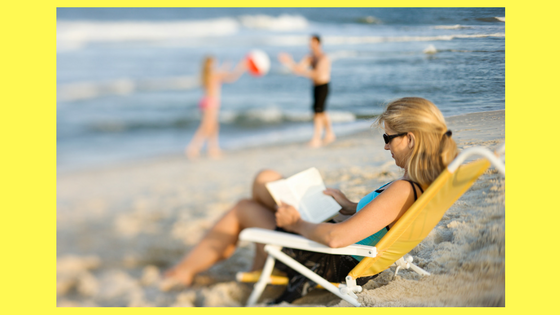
(421, 218)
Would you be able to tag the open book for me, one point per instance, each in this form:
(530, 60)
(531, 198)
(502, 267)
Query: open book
(304, 191)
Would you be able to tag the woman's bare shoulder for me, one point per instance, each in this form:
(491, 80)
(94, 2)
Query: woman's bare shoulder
(399, 188)
(400, 183)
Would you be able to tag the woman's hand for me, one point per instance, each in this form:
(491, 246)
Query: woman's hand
(232, 76)
(241, 65)
(348, 207)
(287, 217)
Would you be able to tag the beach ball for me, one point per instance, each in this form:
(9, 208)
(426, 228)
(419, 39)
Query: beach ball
(258, 63)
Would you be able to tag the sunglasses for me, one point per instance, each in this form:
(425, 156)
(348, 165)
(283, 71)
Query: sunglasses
(388, 139)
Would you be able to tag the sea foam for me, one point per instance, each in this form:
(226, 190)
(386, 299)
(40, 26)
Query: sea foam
(72, 35)
(284, 22)
(89, 90)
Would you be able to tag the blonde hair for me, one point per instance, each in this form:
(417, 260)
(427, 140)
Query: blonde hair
(433, 148)
(206, 71)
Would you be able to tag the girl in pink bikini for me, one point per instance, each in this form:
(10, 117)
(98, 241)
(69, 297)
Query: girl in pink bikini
(208, 130)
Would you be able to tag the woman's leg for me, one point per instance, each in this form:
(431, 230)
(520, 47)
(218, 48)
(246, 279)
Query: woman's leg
(220, 242)
(262, 196)
(260, 193)
(201, 134)
(213, 133)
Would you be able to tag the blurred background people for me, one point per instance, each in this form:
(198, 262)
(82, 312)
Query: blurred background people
(317, 67)
(208, 130)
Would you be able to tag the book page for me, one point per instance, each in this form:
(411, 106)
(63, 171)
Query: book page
(314, 206)
(301, 182)
(280, 191)
(319, 206)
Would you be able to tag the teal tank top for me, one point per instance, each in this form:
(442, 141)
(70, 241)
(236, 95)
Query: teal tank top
(374, 238)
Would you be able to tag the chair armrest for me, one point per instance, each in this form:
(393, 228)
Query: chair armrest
(481, 151)
(269, 237)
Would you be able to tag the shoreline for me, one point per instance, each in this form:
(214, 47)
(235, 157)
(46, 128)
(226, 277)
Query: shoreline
(174, 157)
(119, 228)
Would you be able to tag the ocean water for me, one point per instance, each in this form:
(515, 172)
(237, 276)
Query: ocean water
(127, 78)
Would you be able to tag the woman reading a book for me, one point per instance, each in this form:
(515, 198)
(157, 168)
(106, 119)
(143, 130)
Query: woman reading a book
(419, 142)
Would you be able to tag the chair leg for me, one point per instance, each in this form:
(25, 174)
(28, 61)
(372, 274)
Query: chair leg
(263, 281)
(289, 261)
(419, 270)
(405, 262)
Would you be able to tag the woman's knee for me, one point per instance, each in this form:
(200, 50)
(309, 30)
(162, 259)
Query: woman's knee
(243, 204)
(237, 211)
(266, 176)
(250, 213)
(260, 192)
(207, 127)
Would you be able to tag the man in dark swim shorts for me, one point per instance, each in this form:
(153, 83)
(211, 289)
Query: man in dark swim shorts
(320, 93)
(317, 67)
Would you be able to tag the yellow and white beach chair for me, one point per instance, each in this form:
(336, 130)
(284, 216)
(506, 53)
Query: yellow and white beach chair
(408, 232)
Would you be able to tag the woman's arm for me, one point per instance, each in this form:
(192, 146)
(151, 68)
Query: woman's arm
(230, 77)
(382, 211)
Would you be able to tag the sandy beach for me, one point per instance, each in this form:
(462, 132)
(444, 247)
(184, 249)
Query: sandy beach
(120, 227)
